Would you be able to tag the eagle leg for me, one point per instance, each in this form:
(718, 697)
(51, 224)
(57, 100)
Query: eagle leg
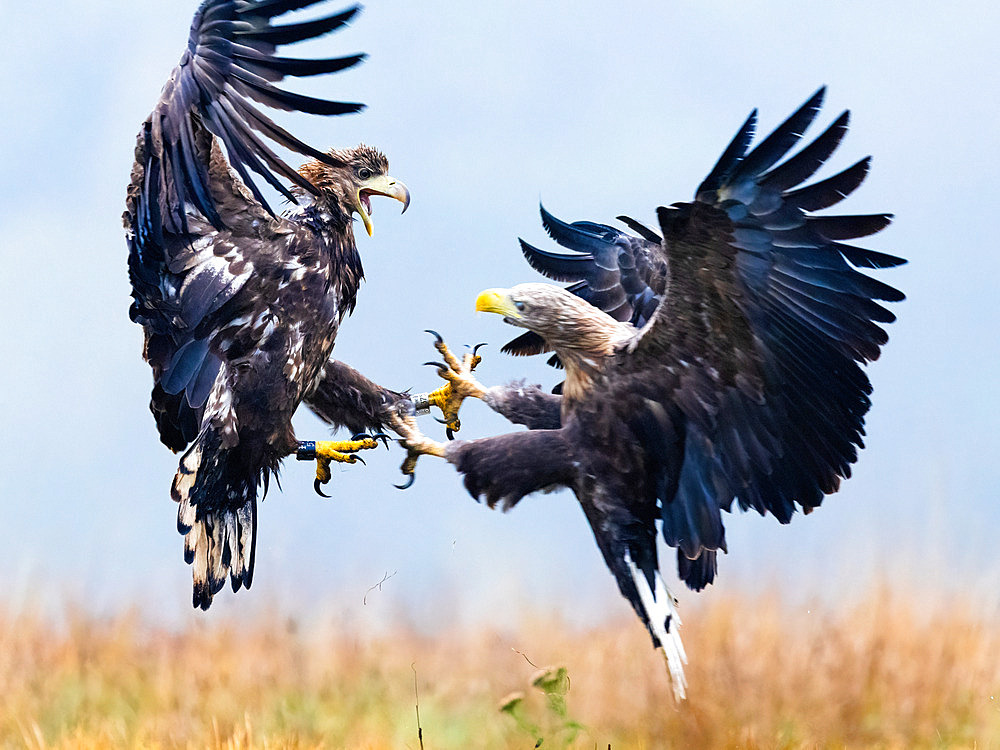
(325, 452)
(460, 386)
(416, 445)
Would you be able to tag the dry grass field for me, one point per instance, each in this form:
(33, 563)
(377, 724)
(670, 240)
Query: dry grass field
(887, 673)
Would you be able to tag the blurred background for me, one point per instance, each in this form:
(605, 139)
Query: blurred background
(483, 110)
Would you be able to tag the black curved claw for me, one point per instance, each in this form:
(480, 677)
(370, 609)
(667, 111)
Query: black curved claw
(477, 347)
(358, 458)
(360, 436)
(436, 335)
(319, 492)
(383, 437)
(409, 483)
(439, 420)
(439, 365)
(448, 431)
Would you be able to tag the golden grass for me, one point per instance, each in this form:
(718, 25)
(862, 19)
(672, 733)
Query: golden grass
(885, 673)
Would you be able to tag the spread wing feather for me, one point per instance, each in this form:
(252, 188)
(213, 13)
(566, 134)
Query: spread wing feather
(229, 61)
(194, 230)
(761, 330)
(611, 269)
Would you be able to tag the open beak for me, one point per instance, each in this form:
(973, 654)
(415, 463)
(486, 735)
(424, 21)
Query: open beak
(381, 184)
(497, 301)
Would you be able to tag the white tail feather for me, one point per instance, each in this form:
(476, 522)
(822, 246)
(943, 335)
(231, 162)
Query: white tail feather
(196, 540)
(217, 527)
(187, 474)
(244, 533)
(229, 536)
(186, 513)
(664, 622)
(220, 542)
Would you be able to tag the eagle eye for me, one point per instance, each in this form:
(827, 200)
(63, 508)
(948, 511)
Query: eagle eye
(519, 305)
(365, 173)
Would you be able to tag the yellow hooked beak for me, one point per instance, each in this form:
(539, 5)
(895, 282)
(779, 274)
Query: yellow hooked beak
(380, 184)
(497, 301)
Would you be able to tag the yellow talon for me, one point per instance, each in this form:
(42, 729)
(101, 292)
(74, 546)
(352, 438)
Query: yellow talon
(469, 361)
(324, 452)
(439, 397)
(323, 470)
(343, 452)
(445, 399)
(461, 383)
(416, 445)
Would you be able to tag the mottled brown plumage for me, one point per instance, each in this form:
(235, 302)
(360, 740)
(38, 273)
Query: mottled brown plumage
(240, 307)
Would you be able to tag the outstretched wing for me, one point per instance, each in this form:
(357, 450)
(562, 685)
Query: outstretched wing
(229, 64)
(609, 268)
(760, 335)
(195, 232)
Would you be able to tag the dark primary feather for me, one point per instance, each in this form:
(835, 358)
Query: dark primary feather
(780, 141)
(759, 336)
(612, 270)
(640, 229)
(804, 164)
(228, 65)
(293, 32)
(272, 8)
(732, 154)
(525, 345)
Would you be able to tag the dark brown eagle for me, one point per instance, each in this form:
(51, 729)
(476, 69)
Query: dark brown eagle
(240, 307)
(716, 361)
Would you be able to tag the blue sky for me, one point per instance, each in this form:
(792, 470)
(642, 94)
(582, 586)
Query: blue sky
(598, 110)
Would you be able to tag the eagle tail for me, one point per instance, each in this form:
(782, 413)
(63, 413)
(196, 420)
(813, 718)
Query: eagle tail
(663, 621)
(700, 571)
(216, 492)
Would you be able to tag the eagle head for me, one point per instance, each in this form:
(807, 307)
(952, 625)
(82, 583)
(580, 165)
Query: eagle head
(581, 334)
(563, 319)
(360, 173)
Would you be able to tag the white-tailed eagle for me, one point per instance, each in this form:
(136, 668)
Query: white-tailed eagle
(716, 361)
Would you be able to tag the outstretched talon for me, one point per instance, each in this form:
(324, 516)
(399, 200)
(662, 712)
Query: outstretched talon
(460, 386)
(409, 469)
(416, 445)
(324, 452)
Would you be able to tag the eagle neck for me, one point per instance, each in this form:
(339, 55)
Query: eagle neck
(584, 349)
(333, 225)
